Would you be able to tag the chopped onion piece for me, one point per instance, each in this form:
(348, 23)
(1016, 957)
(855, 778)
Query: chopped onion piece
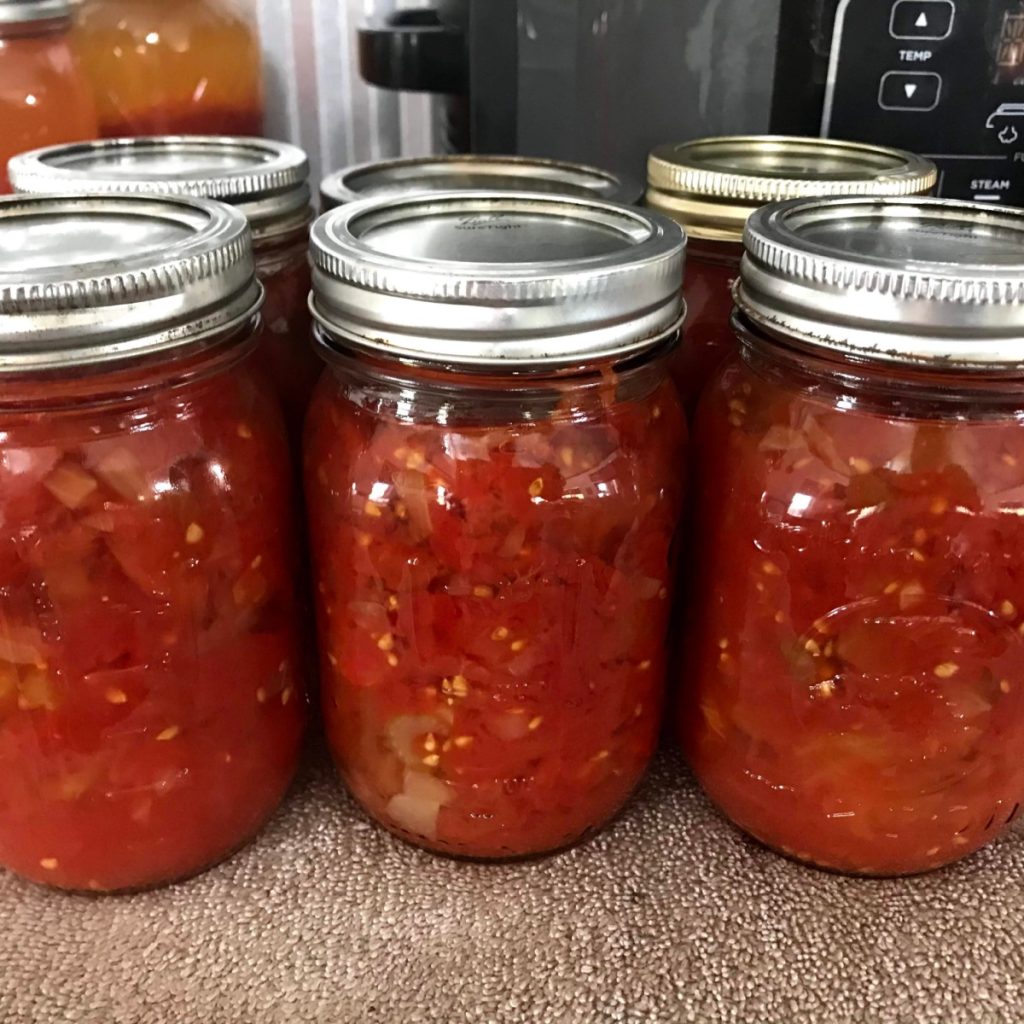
(122, 472)
(779, 438)
(966, 702)
(648, 587)
(910, 595)
(509, 726)
(21, 645)
(414, 814)
(423, 786)
(369, 615)
(102, 521)
(37, 691)
(514, 542)
(412, 488)
(70, 484)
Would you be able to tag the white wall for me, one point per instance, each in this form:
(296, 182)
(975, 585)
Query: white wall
(315, 96)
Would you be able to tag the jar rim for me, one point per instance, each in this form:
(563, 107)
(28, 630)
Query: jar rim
(712, 185)
(497, 278)
(334, 345)
(95, 281)
(265, 179)
(24, 12)
(444, 173)
(917, 281)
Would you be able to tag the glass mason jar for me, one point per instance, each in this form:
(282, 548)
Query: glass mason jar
(44, 97)
(854, 692)
(151, 708)
(187, 67)
(473, 171)
(494, 466)
(711, 186)
(267, 181)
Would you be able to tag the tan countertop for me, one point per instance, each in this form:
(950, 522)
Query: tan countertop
(669, 916)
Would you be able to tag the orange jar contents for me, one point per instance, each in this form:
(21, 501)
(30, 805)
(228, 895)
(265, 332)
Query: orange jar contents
(711, 186)
(474, 171)
(44, 97)
(854, 691)
(172, 67)
(494, 465)
(266, 180)
(151, 705)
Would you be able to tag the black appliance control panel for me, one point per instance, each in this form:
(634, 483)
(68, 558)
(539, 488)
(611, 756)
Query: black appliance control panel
(944, 78)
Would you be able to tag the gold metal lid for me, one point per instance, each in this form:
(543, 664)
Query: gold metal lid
(711, 186)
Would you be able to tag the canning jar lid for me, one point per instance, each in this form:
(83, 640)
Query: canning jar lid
(15, 11)
(104, 280)
(713, 185)
(926, 282)
(489, 279)
(451, 173)
(266, 180)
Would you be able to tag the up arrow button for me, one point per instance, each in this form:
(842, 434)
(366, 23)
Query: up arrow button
(922, 19)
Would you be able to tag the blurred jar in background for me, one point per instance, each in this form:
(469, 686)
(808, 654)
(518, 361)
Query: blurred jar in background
(187, 67)
(44, 98)
(711, 186)
(266, 180)
(462, 171)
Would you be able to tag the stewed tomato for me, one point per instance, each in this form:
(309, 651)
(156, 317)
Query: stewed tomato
(494, 582)
(707, 336)
(286, 354)
(151, 705)
(45, 97)
(855, 679)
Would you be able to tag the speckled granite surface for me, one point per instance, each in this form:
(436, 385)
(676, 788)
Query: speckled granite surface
(669, 916)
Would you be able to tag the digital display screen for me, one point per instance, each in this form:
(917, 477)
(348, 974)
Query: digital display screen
(1010, 50)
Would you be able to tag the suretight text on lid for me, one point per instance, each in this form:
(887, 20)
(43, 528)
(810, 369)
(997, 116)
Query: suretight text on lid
(913, 281)
(497, 279)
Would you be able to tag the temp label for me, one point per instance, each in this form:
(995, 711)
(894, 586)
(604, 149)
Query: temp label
(902, 72)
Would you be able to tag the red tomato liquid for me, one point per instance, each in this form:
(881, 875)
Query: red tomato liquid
(286, 353)
(493, 602)
(186, 120)
(855, 680)
(151, 708)
(167, 68)
(44, 98)
(708, 337)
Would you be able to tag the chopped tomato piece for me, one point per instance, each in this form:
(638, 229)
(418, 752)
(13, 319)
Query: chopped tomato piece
(285, 355)
(708, 338)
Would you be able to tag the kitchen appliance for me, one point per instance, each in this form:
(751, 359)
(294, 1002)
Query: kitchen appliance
(603, 81)
(942, 77)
